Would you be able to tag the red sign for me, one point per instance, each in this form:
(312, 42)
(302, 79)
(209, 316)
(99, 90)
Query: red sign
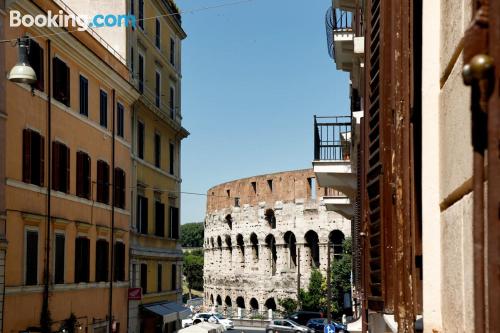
(134, 294)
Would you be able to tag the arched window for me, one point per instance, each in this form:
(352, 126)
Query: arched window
(291, 247)
(270, 218)
(228, 302)
(219, 300)
(229, 220)
(270, 304)
(240, 302)
(273, 255)
(312, 243)
(255, 247)
(336, 239)
(241, 247)
(254, 304)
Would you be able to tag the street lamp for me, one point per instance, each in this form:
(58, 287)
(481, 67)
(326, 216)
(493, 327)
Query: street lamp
(22, 72)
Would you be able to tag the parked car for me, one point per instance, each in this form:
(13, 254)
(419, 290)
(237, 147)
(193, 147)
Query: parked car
(286, 325)
(318, 325)
(302, 317)
(208, 317)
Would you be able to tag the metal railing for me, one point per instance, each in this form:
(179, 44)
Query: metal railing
(336, 20)
(332, 138)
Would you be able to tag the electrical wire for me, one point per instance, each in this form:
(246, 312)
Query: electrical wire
(181, 12)
(183, 192)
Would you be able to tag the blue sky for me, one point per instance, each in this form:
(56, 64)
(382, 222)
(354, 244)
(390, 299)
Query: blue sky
(254, 74)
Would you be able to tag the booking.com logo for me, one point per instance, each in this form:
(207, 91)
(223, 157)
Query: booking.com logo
(78, 22)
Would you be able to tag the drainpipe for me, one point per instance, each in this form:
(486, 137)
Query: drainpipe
(45, 314)
(113, 201)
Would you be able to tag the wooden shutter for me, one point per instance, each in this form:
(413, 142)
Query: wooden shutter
(99, 181)
(67, 152)
(174, 222)
(88, 179)
(119, 273)
(79, 173)
(374, 170)
(159, 219)
(59, 259)
(42, 161)
(143, 205)
(27, 155)
(55, 165)
(78, 260)
(31, 276)
(144, 278)
(106, 182)
(493, 215)
(101, 269)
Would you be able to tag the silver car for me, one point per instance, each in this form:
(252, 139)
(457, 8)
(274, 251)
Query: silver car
(286, 325)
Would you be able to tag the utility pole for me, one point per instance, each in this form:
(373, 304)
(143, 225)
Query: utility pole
(328, 287)
(298, 278)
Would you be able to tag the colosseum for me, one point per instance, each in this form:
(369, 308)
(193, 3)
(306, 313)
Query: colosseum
(263, 236)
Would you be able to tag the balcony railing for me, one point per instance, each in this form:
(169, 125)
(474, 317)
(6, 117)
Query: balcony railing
(332, 138)
(336, 20)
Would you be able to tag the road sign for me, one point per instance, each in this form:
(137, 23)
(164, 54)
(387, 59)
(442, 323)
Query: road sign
(330, 328)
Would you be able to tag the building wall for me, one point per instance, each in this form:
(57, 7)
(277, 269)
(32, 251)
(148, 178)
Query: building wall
(156, 183)
(447, 177)
(71, 215)
(230, 273)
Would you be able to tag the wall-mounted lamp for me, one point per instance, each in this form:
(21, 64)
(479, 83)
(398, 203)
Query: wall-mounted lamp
(22, 72)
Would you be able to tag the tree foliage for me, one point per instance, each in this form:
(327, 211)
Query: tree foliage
(193, 270)
(315, 298)
(288, 304)
(192, 234)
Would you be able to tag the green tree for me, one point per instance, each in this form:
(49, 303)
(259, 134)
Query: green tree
(193, 271)
(288, 304)
(310, 300)
(192, 234)
(341, 269)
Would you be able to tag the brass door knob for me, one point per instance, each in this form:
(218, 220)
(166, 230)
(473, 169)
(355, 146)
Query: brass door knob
(479, 68)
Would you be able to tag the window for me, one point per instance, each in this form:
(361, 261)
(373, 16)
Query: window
(119, 269)
(172, 160)
(31, 259)
(174, 276)
(312, 187)
(172, 51)
(157, 150)
(140, 140)
(141, 14)
(83, 180)
(141, 71)
(254, 187)
(101, 260)
(174, 222)
(270, 184)
(120, 119)
(102, 182)
(142, 215)
(35, 58)
(60, 167)
(61, 81)
(132, 9)
(33, 157)
(159, 219)
(59, 259)
(157, 33)
(159, 277)
(84, 96)
(157, 89)
(82, 259)
(119, 194)
(144, 278)
(103, 109)
(171, 103)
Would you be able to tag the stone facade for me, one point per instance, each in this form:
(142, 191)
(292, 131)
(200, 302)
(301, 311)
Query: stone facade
(259, 232)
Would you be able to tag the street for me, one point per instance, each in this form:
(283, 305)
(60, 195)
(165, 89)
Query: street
(242, 329)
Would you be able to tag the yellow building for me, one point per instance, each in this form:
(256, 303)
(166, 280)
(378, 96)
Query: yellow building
(59, 140)
(154, 54)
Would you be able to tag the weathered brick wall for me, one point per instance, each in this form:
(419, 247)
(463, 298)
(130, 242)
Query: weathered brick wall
(232, 269)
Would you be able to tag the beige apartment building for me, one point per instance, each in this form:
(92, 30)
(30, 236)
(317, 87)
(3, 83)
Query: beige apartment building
(424, 160)
(65, 168)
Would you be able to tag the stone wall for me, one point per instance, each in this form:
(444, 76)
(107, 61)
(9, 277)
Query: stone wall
(258, 231)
